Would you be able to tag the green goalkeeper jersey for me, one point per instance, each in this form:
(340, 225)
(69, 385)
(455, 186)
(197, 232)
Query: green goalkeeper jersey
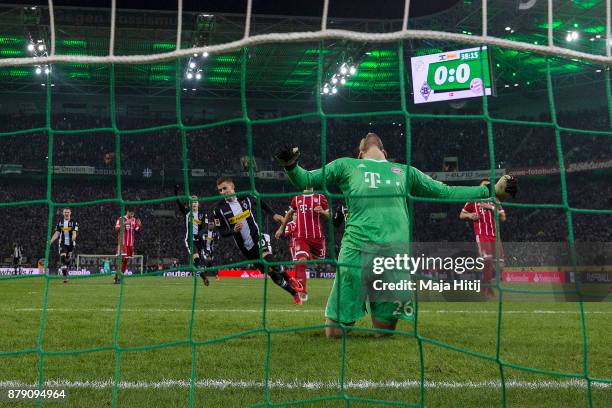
(376, 191)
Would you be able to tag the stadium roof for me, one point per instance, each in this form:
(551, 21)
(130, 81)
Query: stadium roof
(289, 71)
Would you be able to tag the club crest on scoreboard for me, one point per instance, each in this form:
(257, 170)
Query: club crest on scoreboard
(425, 90)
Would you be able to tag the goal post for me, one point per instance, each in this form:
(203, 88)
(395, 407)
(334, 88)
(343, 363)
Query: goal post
(95, 263)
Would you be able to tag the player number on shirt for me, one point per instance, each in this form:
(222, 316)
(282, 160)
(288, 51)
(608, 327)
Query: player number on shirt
(403, 308)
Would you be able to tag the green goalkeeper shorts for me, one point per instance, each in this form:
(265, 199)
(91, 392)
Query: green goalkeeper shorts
(348, 300)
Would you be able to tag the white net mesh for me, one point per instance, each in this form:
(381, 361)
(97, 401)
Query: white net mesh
(324, 33)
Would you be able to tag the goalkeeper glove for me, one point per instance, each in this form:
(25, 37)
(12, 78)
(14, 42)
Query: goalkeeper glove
(287, 156)
(506, 187)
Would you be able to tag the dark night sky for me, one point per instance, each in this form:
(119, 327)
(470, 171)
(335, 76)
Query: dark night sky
(338, 8)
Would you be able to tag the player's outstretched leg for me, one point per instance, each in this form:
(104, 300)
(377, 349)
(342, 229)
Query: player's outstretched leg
(282, 279)
(295, 283)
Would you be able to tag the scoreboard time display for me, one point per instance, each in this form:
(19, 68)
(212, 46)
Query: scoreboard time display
(451, 75)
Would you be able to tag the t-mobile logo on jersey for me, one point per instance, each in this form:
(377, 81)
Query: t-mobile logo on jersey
(372, 178)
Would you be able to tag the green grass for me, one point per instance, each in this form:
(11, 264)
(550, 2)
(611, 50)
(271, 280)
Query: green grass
(81, 317)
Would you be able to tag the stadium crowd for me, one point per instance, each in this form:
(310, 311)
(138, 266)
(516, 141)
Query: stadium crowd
(217, 147)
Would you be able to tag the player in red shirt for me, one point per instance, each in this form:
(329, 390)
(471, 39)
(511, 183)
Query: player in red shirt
(310, 208)
(131, 226)
(290, 230)
(483, 216)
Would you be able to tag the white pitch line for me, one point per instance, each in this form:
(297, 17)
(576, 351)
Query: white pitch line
(320, 310)
(310, 385)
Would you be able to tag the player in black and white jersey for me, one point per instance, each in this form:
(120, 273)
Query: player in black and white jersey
(66, 232)
(235, 217)
(202, 230)
(17, 258)
(210, 236)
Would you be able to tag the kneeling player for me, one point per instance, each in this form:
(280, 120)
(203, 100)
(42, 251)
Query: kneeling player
(381, 219)
(234, 217)
(66, 230)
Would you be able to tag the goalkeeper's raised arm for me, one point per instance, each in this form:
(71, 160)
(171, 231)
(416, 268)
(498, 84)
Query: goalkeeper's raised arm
(421, 185)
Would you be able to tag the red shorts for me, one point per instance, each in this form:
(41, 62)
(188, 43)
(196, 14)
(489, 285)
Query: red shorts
(486, 247)
(312, 248)
(128, 251)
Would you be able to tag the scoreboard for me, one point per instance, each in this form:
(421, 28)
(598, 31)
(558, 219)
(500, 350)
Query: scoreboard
(451, 75)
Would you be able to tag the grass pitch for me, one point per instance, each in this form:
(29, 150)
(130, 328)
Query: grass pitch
(232, 350)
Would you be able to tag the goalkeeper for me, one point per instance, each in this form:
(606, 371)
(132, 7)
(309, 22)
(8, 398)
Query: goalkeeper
(376, 191)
